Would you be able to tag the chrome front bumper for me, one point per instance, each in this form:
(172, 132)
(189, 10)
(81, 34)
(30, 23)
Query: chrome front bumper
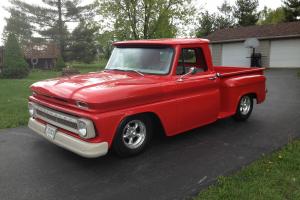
(82, 148)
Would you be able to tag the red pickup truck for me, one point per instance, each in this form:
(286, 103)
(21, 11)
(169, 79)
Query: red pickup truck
(168, 83)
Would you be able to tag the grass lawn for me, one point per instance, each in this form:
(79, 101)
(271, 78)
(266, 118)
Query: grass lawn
(14, 94)
(84, 68)
(276, 176)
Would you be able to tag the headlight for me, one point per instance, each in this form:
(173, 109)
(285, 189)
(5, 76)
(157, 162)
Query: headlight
(82, 128)
(31, 109)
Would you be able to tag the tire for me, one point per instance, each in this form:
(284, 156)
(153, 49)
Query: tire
(244, 108)
(132, 136)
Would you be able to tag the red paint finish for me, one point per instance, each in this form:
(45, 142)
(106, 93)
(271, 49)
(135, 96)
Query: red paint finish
(112, 96)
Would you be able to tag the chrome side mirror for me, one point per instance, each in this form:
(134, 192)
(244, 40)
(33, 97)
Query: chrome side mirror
(191, 71)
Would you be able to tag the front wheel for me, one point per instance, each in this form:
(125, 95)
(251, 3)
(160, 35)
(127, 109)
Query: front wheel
(133, 135)
(244, 108)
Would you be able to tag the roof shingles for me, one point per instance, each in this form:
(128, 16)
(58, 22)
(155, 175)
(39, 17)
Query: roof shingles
(290, 29)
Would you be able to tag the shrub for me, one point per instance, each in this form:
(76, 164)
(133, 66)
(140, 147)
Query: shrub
(15, 65)
(60, 63)
(69, 71)
(11, 72)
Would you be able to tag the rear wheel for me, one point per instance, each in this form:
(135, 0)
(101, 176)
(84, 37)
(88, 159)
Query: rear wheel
(133, 135)
(244, 108)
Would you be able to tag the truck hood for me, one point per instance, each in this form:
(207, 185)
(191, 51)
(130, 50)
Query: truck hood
(100, 87)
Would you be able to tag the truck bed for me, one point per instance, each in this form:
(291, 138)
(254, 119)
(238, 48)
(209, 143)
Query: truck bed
(233, 71)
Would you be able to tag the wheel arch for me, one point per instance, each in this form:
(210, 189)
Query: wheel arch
(253, 95)
(158, 126)
(154, 117)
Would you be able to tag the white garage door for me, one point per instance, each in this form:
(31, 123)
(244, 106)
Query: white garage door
(285, 53)
(235, 54)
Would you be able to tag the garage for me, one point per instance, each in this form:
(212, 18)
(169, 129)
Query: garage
(235, 54)
(285, 53)
(279, 45)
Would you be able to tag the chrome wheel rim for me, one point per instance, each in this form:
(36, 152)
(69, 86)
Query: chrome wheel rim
(245, 105)
(134, 134)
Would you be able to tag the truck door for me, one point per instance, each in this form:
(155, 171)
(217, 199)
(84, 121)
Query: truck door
(198, 94)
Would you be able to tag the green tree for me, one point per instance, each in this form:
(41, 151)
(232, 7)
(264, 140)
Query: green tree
(84, 47)
(18, 25)
(60, 63)
(245, 11)
(225, 19)
(206, 24)
(105, 41)
(144, 19)
(51, 17)
(269, 16)
(15, 65)
(163, 27)
(292, 10)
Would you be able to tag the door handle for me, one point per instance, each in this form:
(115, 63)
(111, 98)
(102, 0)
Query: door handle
(212, 78)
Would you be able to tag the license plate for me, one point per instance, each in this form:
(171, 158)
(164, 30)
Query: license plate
(50, 131)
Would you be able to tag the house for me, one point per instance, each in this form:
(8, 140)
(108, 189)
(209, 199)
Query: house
(41, 55)
(279, 45)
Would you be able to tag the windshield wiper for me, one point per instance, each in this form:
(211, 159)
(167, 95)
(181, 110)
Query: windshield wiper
(136, 71)
(128, 70)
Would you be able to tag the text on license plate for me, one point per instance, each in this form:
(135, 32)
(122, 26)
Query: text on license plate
(50, 131)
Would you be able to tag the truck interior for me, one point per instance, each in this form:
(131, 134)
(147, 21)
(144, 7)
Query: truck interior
(191, 57)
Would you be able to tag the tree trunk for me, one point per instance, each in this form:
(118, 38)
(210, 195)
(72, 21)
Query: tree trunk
(60, 29)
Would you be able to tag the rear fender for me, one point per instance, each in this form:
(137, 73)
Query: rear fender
(232, 89)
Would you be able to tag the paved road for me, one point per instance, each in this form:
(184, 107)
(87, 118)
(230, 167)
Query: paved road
(172, 168)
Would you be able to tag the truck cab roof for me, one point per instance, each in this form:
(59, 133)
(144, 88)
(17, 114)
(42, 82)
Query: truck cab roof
(168, 41)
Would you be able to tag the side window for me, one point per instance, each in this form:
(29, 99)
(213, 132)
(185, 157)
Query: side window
(191, 57)
(188, 56)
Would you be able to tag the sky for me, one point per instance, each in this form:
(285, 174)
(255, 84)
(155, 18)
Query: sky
(210, 5)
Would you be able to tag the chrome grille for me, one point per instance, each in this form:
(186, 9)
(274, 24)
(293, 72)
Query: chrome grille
(56, 118)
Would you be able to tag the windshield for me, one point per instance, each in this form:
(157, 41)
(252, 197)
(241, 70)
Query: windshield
(141, 59)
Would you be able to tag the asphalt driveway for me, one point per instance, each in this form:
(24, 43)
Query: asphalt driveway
(172, 168)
